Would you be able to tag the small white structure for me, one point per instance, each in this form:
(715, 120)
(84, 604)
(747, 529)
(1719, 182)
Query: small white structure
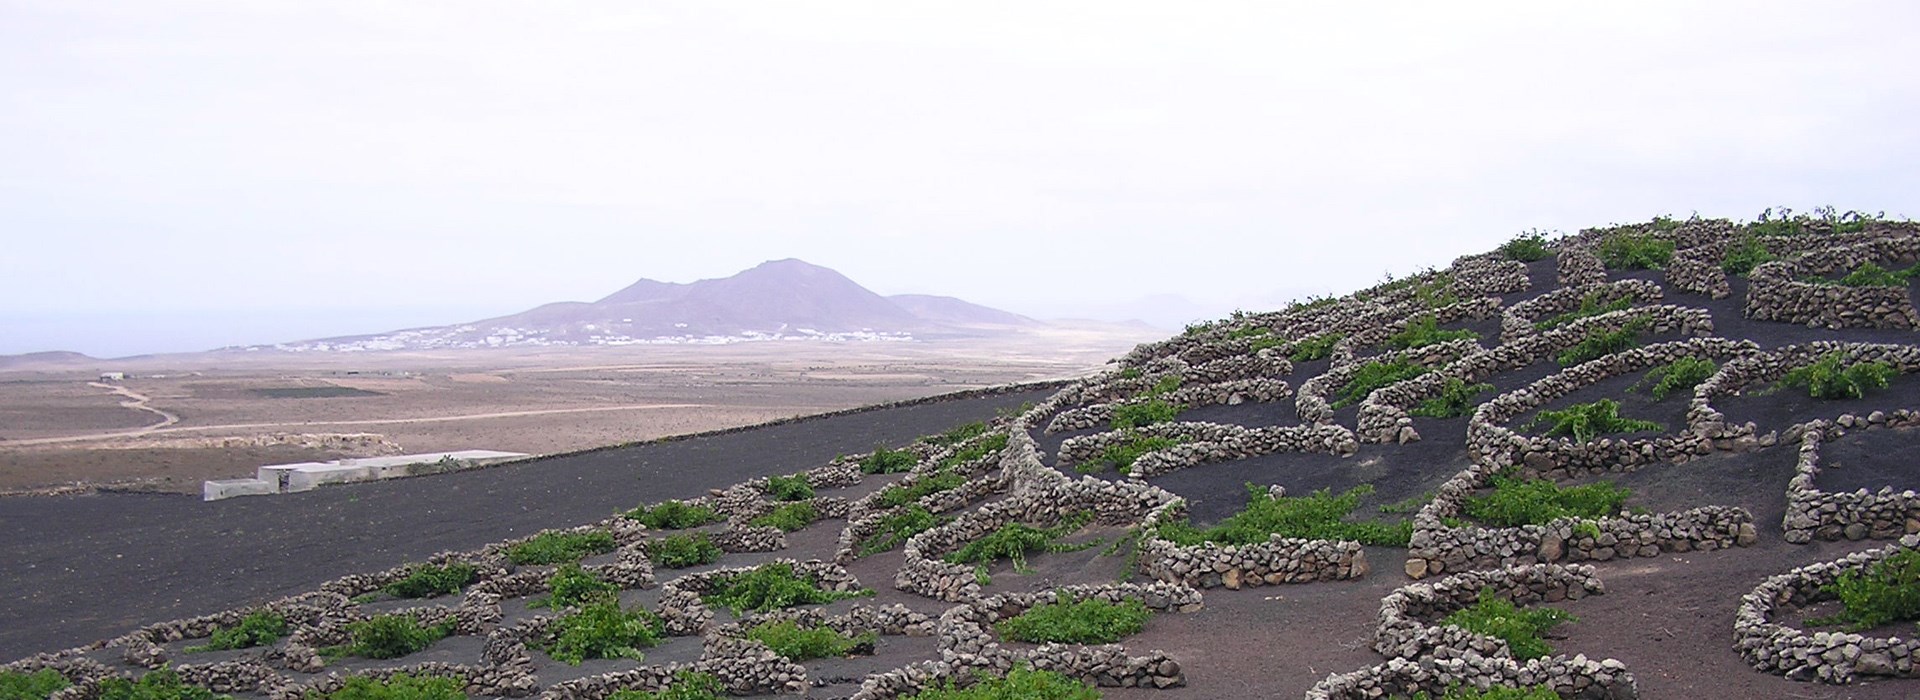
(112, 376)
(306, 476)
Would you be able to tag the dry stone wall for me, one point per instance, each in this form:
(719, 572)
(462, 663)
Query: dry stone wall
(1770, 645)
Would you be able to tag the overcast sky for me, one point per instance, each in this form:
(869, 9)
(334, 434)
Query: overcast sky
(182, 175)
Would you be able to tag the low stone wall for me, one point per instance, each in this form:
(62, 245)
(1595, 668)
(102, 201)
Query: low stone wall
(1237, 442)
(1854, 515)
(1578, 265)
(1829, 657)
(1775, 292)
(1349, 347)
(1425, 656)
(1228, 393)
(1279, 560)
(1518, 320)
(1757, 368)
(1314, 404)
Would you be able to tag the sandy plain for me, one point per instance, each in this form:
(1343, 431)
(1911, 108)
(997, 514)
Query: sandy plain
(176, 420)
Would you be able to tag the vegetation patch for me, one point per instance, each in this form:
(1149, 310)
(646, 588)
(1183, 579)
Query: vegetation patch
(1318, 347)
(1590, 305)
(389, 637)
(1456, 399)
(560, 547)
(1831, 377)
(1526, 247)
(787, 638)
(975, 451)
(686, 685)
(1424, 331)
(1522, 628)
(602, 630)
(397, 687)
(19, 685)
(428, 581)
(1317, 516)
(1585, 421)
(965, 431)
(793, 487)
(897, 528)
(1150, 412)
(163, 684)
(788, 518)
(1122, 455)
(1869, 274)
(1680, 375)
(1021, 683)
(260, 628)
(1887, 591)
(1635, 251)
(888, 461)
(1089, 621)
(572, 585)
(1515, 502)
(936, 482)
(674, 515)
(771, 587)
(683, 550)
(1014, 541)
(1745, 255)
(1374, 375)
(1598, 343)
(1498, 692)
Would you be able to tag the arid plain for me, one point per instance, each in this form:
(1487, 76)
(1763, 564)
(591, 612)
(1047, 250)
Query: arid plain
(176, 420)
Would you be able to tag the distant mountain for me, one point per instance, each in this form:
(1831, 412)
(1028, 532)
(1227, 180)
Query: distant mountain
(776, 300)
(55, 357)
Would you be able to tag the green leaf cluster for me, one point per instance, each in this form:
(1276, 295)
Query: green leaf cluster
(601, 630)
(1590, 305)
(1522, 628)
(390, 637)
(1831, 377)
(1122, 455)
(1498, 692)
(1870, 274)
(787, 638)
(19, 685)
(1635, 251)
(1750, 252)
(1014, 541)
(259, 628)
(936, 482)
(885, 460)
(1150, 412)
(1317, 347)
(1526, 247)
(163, 684)
(1021, 683)
(1884, 592)
(571, 585)
(1424, 331)
(560, 547)
(397, 687)
(683, 550)
(772, 586)
(1067, 621)
(1456, 399)
(897, 528)
(1514, 502)
(793, 487)
(1585, 421)
(1320, 515)
(1374, 375)
(674, 515)
(975, 451)
(791, 517)
(1599, 342)
(427, 581)
(1680, 375)
(686, 685)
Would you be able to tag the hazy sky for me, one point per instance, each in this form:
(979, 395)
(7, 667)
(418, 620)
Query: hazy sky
(180, 175)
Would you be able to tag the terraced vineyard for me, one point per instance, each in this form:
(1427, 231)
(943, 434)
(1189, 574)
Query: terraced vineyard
(1655, 460)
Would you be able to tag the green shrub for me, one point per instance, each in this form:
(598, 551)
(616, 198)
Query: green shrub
(1424, 331)
(1013, 541)
(683, 550)
(789, 488)
(771, 586)
(1374, 375)
(19, 685)
(398, 687)
(1590, 305)
(1598, 343)
(888, 461)
(1131, 373)
(1134, 415)
(427, 581)
(1526, 247)
(1869, 274)
(1436, 292)
(1021, 683)
(1244, 332)
(967, 431)
(1515, 502)
(1831, 378)
(895, 529)
(1122, 455)
(1319, 516)
(1497, 617)
(1635, 251)
(686, 685)
(674, 515)
(1318, 347)
(390, 637)
(1886, 591)
(1586, 421)
(797, 643)
(975, 451)
(1679, 375)
(1498, 692)
(163, 684)
(260, 628)
(791, 517)
(1090, 621)
(572, 585)
(603, 631)
(560, 547)
(1742, 257)
(1456, 399)
(936, 482)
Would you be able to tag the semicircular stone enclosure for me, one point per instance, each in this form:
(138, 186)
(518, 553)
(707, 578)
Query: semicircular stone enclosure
(1571, 467)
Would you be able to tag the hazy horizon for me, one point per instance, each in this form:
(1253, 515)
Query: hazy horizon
(185, 175)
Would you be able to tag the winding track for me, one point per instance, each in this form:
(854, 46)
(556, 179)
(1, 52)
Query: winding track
(77, 569)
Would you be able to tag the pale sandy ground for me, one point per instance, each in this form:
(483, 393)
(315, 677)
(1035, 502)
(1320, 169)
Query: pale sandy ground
(60, 426)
